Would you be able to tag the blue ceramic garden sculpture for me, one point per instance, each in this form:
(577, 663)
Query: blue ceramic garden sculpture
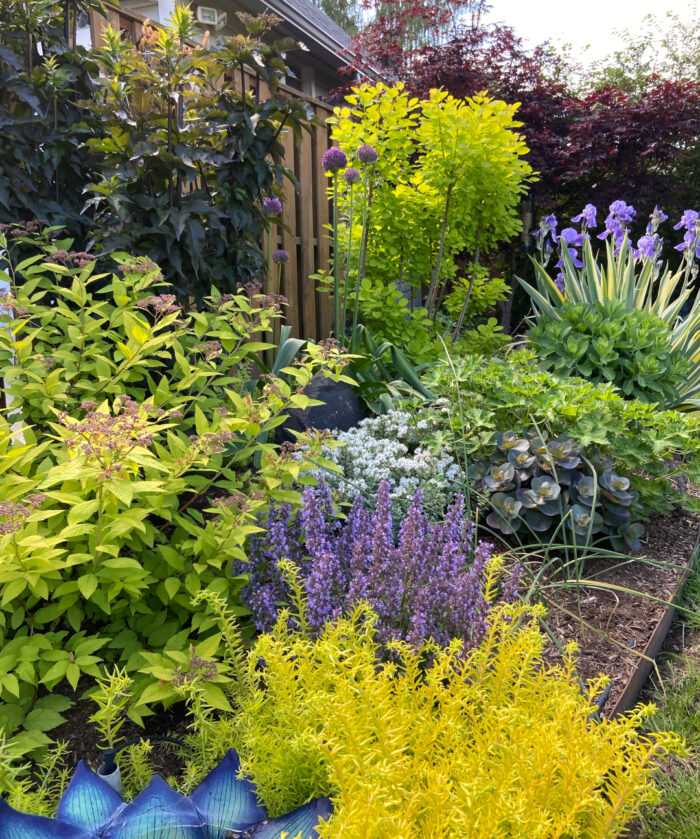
(222, 807)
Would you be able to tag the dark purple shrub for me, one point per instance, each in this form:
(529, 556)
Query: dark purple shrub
(427, 583)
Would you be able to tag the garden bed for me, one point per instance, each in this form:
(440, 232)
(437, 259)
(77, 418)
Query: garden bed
(615, 630)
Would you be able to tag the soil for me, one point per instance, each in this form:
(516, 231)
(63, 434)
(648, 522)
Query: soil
(612, 627)
(82, 739)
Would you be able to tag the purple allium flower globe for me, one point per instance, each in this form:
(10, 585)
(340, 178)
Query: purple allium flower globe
(351, 175)
(280, 256)
(333, 160)
(271, 206)
(367, 154)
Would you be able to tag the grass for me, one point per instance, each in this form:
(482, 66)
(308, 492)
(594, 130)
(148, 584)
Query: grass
(677, 816)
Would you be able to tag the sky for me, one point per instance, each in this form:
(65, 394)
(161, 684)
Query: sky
(589, 23)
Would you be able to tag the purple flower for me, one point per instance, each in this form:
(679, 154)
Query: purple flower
(367, 154)
(648, 247)
(559, 282)
(549, 225)
(690, 243)
(271, 206)
(427, 581)
(334, 159)
(352, 176)
(655, 219)
(280, 256)
(688, 220)
(617, 222)
(570, 239)
(625, 212)
(587, 216)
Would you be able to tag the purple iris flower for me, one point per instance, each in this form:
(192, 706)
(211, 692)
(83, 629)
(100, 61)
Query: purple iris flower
(571, 239)
(625, 212)
(648, 247)
(688, 220)
(559, 282)
(587, 216)
(549, 223)
(655, 219)
(691, 241)
(617, 222)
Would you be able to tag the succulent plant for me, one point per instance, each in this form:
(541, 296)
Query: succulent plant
(223, 805)
(532, 483)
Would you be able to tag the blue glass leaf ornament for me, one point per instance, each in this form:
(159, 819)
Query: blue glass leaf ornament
(15, 825)
(304, 819)
(156, 813)
(89, 802)
(225, 802)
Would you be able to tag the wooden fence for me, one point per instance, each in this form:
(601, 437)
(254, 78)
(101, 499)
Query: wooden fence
(306, 209)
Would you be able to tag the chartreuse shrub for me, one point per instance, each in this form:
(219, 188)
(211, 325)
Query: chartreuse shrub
(482, 397)
(454, 168)
(129, 425)
(608, 342)
(436, 741)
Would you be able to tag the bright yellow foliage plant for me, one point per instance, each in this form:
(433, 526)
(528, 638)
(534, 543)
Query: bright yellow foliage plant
(437, 742)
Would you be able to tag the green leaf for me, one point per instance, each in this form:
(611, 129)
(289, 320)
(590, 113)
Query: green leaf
(216, 697)
(172, 586)
(87, 585)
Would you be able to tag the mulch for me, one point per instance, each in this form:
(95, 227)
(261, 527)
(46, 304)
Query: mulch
(612, 627)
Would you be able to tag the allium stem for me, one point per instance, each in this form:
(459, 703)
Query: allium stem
(336, 264)
(348, 260)
(362, 256)
(276, 323)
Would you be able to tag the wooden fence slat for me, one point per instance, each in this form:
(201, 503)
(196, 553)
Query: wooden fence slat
(289, 217)
(307, 259)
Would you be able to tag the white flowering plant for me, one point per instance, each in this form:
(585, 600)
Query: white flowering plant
(398, 447)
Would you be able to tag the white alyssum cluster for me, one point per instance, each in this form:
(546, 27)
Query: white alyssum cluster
(391, 447)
